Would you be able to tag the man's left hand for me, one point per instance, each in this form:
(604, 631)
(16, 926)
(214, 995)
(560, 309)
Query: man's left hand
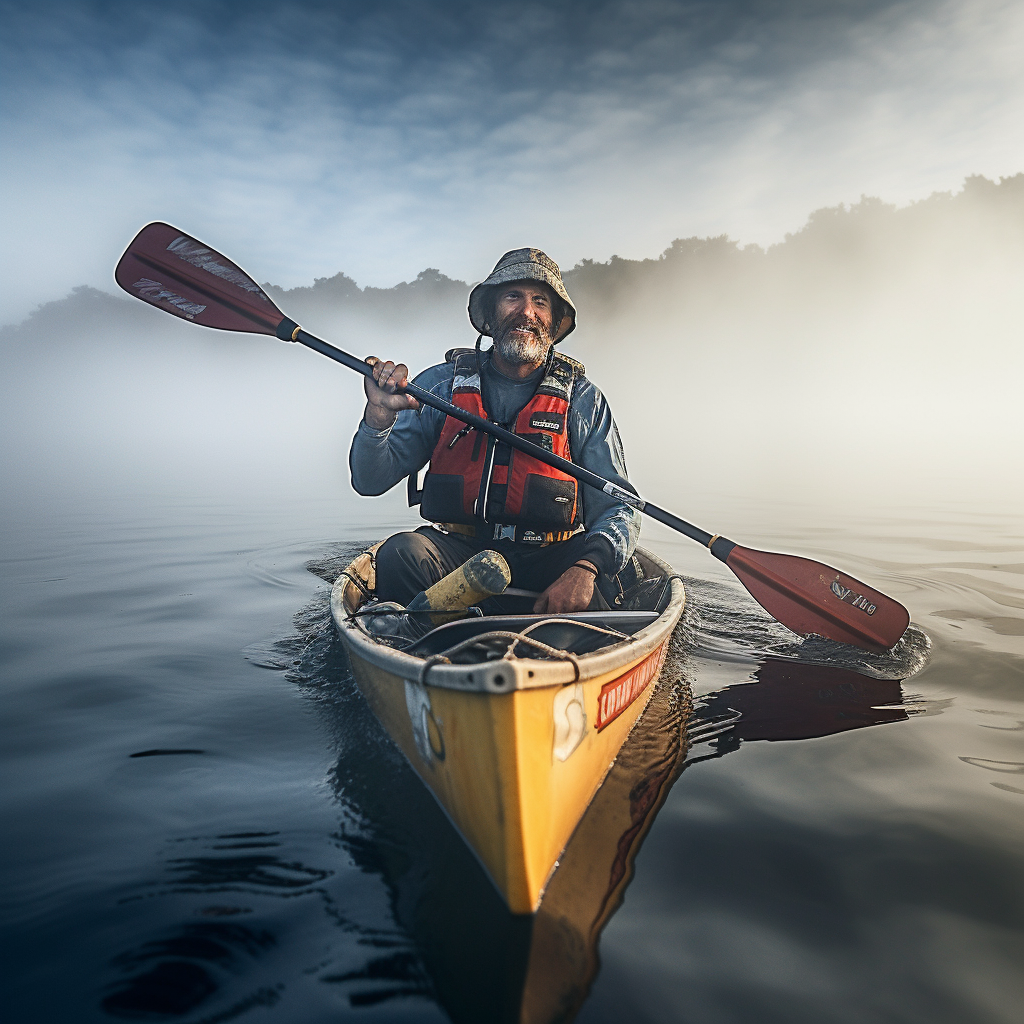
(571, 592)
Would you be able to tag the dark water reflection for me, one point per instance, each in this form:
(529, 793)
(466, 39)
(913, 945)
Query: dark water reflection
(179, 970)
(793, 701)
(275, 857)
(457, 943)
(488, 965)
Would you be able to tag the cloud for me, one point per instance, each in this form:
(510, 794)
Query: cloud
(309, 138)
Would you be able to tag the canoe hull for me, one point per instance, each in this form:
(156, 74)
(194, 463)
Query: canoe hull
(514, 771)
(491, 762)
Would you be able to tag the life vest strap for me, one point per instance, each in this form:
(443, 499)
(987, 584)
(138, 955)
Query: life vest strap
(516, 534)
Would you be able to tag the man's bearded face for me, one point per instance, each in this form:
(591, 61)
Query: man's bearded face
(522, 337)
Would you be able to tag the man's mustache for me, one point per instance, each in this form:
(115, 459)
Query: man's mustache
(520, 321)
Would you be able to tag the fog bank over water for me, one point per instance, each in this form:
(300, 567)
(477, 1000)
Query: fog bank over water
(871, 360)
(875, 347)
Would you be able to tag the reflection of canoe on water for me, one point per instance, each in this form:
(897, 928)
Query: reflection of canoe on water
(514, 745)
(485, 963)
(457, 944)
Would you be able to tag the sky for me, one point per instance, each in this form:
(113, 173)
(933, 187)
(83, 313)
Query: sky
(303, 139)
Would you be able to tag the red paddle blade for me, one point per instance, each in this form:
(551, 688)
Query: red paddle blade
(180, 275)
(810, 597)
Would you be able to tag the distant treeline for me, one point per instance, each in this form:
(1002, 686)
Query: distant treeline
(838, 245)
(839, 250)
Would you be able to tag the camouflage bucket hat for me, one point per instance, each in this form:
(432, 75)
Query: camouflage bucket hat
(521, 265)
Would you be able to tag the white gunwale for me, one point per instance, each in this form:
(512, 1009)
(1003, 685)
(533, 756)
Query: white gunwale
(514, 674)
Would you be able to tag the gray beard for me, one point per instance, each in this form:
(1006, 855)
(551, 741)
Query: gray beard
(519, 349)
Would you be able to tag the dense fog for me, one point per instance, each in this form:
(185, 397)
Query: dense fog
(872, 359)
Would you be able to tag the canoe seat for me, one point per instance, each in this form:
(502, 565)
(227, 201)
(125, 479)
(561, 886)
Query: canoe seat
(561, 632)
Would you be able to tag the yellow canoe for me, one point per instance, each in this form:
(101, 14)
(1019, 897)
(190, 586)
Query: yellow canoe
(514, 748)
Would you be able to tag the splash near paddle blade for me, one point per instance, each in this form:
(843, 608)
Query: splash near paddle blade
(813, 598)
(186, 278)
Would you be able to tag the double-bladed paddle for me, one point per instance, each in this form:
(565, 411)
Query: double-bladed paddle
(182, 276)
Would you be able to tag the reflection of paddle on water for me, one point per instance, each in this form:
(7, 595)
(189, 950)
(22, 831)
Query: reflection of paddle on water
(790, 700)
(488, 964)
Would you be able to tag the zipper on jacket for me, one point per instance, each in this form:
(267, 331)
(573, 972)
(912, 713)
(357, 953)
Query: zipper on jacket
(492, 447)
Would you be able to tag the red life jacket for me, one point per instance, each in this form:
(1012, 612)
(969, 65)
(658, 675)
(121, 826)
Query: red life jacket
(474, 479)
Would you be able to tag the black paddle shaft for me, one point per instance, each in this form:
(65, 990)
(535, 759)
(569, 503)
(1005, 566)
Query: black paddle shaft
(289, 330)
(185, 277)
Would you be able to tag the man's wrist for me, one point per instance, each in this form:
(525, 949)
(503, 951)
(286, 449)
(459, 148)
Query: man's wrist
(599, 552)
(371, 415)
(371, 431)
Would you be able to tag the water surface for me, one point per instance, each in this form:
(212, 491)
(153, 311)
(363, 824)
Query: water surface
(205, 823)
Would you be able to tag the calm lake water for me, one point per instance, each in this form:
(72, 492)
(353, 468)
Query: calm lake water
(204, 822)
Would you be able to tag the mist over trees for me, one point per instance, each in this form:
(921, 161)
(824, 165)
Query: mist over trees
(875, 344)
(839, 252)
(841, 249)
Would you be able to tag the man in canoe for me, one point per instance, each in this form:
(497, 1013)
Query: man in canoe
(558, 536)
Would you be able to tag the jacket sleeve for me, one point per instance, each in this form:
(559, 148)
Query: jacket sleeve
(613, 527)
(379, 459)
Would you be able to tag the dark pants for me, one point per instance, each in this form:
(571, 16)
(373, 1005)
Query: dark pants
(410, 562)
